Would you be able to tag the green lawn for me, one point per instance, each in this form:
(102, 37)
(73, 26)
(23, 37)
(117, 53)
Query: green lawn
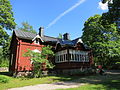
(95, 82)
(102, 86)
(19, 82)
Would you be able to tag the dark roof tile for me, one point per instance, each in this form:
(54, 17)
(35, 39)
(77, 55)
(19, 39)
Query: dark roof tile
(24, 35)
(30, 36)
(66, 42)
(48, 38)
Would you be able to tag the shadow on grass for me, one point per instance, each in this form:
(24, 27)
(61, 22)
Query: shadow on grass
(5, 73)
(112, 85)
(108, 82)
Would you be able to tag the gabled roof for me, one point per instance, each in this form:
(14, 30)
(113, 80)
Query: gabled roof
(31, 36)
(71, 43)
(37, 36)
(77, 40)
(65, 42)
(24, 35)
(48, 38)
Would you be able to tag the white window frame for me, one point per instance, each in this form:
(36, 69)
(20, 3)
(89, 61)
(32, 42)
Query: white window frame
(75, 56)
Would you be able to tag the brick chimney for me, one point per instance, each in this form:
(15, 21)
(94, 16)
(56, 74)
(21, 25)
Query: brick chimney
(66, 36)
(41, 31)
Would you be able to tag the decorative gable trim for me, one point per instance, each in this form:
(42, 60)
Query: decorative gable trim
(79, 40)
(37, 36)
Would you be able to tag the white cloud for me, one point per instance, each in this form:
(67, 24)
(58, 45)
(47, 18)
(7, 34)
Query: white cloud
(65, 12)
(103, 6)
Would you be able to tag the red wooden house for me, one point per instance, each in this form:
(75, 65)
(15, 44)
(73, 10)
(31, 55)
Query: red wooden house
(21, 41)
(69, 54)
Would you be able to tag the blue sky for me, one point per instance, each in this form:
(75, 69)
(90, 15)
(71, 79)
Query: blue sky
(57, 16)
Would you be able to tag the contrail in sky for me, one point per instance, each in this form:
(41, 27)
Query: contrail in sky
(65, 12)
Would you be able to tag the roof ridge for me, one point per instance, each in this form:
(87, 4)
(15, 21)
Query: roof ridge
(51, 37)
(76, 38)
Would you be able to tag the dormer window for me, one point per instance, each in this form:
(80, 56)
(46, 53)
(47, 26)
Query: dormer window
(37, 41)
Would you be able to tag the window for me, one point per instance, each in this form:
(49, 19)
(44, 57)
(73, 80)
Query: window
(61, 56)
(74, 56)
(79, 56)
(36, 50)
(37, 41)
(64, 57)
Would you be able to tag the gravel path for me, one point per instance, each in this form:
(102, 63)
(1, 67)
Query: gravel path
(53, 86)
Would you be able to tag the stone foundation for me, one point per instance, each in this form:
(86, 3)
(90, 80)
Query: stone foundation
(23, 74)
(28, 74)
(81, 71)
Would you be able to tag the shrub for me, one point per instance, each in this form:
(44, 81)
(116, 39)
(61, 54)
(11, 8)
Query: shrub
(40, 61)
(4, 62)
(4, 79)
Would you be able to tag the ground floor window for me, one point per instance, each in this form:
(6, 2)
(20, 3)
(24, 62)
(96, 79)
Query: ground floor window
(61, 56)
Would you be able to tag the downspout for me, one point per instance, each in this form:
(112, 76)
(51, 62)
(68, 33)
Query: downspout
(17, 58)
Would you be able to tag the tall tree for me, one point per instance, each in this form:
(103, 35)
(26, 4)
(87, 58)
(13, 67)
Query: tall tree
(103, 38)
(26, 27)
(6, 20)
(6, 23)
(114, 11)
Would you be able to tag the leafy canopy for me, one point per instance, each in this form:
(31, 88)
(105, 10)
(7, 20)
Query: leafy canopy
(103, 38)
(6, 23)
(27, 28)
(113, 13)
(6, 15)
(6, 20)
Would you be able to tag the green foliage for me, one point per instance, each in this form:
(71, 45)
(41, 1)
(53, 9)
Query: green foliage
(4, 79)
(20, 82)
(6, 47)
(95, 82)
(6, 15)
(6, 23)
(103, 38)
(112, 16)
(4, 42)
(3, 36)
(27, 28)
(4, 54)
(6, 20)
(4, 62)
(114, 12)
(40, 62)
(60, 36)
